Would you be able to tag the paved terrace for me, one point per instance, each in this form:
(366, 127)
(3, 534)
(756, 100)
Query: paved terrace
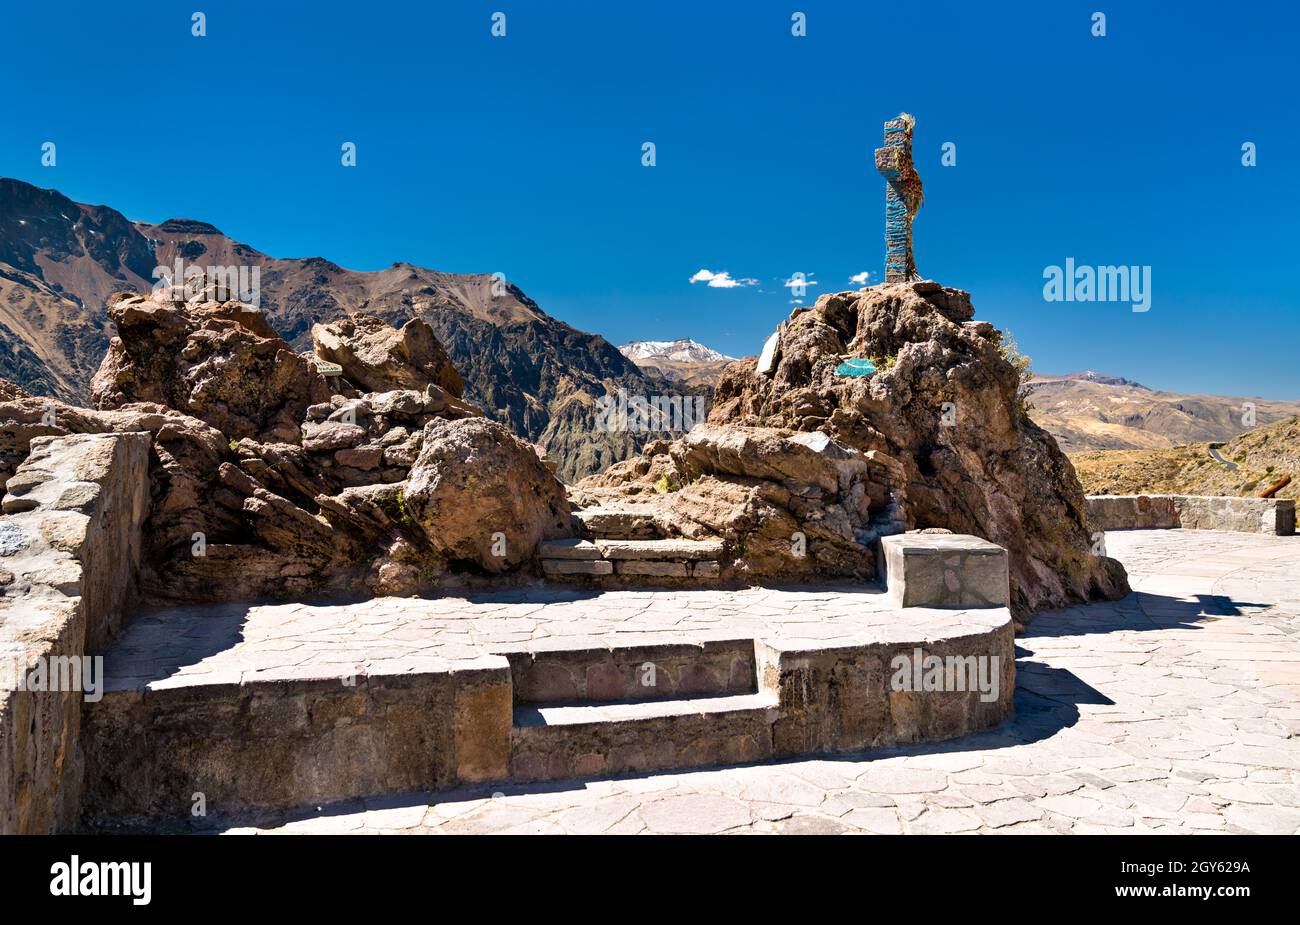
(233, 643)
(1175, 710)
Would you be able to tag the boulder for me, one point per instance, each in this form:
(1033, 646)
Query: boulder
(377, 357)
(482, 497)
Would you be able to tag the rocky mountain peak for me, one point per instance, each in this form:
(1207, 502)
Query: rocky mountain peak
(187, 226)
(682, 350)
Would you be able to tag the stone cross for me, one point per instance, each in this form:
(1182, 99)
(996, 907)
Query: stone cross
(902, 197)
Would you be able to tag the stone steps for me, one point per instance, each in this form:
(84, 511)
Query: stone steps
(578, 740)
(659, 549)
(711, 668)
(646, 707)
(623, 523)
(271, 736)
(648, 558)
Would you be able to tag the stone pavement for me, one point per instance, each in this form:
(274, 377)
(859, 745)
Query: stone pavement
(1175, 710)
(242, 642)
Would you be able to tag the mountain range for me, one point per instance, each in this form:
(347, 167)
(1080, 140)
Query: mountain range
(1086, 411)
(60, 261)
(682, 350)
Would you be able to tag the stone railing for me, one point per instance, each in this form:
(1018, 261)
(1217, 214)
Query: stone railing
(70, 542)
(1192, 512)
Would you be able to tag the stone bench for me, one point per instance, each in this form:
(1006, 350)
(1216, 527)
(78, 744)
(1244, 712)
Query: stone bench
(944, 570)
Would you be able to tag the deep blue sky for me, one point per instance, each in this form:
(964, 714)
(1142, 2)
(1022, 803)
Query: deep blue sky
(522, 154)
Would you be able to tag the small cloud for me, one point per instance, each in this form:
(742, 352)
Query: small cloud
(799, 280)
(860, 278)
(722, 280)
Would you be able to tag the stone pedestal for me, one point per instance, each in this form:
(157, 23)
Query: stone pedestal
(944, 570)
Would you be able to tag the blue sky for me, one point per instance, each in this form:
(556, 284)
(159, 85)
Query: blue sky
(522, 154)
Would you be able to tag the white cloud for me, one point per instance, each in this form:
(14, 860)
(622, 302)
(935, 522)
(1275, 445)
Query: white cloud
(721, 280)
(795, 281)
(860, 278)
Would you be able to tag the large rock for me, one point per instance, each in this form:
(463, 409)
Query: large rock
(788, 505)
(263, 484)
(482, 497)
(768, 453)
(377, 357)
(946, 405)
(220, 362)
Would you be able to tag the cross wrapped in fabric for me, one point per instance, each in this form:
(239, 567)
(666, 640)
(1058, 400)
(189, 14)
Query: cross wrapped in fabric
(903, 197)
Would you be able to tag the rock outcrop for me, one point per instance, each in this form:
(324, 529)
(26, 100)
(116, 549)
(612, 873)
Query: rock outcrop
(944, 409)
(789, 505)
(267, 479)
(220, 362)
(378, 358)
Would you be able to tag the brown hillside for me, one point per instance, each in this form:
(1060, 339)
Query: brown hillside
(1263, 456)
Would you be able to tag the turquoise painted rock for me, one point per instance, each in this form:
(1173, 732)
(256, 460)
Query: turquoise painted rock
(855, 367)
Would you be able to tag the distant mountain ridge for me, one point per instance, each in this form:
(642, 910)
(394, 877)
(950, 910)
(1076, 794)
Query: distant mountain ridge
(1090, 411)
(61, 260)
(1089, 376)
(683, 350)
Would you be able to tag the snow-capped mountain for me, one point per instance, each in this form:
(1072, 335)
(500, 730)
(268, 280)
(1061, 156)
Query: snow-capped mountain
(681, 351)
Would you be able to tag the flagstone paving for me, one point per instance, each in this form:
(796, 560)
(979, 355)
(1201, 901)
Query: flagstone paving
(1174, 710)
(242, 642)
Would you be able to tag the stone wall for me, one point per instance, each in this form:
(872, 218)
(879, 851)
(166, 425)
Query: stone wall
(840, 699)
(70, 542)
(1192, 512)
(159, 748)
(157, 752)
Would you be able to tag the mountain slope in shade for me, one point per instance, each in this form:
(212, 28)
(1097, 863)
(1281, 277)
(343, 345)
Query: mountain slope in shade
(1086, 411)
(59, 262)
(1263, 456)
(682, 361)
